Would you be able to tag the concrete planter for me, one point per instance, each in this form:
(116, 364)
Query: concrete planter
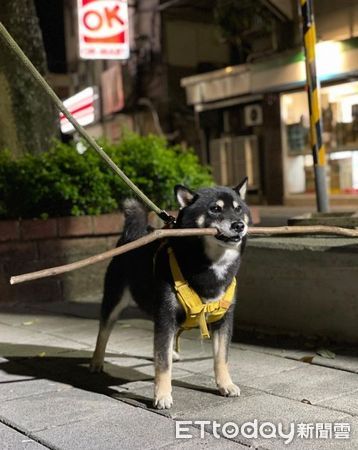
(302, 285)
(30, 245)
(347, 219)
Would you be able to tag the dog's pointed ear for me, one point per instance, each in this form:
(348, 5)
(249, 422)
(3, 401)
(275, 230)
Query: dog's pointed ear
(241, 188)
(184, 195)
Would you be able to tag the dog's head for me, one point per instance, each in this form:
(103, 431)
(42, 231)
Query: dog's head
(219, 207)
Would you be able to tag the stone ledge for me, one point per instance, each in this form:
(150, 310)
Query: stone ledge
(9, 230)
(37, 229)
(303, 285)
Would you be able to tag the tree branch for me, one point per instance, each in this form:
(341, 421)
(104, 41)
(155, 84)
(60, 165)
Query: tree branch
(164, 233)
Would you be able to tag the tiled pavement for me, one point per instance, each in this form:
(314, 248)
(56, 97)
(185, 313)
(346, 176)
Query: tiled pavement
(50, 400)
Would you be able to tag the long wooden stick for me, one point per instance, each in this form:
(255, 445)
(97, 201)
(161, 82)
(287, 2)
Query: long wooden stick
(159, 234)
(156, 234)
(303, 229)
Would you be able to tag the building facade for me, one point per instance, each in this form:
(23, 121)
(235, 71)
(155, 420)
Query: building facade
(253, 118)
(183, 80)
(168, 40)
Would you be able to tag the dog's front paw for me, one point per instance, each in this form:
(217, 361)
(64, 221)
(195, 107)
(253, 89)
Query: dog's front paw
(229, 390)
(164, 401)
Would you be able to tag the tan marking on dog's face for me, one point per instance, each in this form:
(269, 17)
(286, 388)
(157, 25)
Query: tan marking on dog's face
(235, 204)
(200, 221)
(220, 203)
(246, 218)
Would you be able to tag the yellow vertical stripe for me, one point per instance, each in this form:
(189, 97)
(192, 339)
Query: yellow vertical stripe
(315, 112)
(322, 156)
(315, 106)
(313, 132)
(310, 44)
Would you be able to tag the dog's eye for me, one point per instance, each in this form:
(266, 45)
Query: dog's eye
(216, 209)
(238, 208)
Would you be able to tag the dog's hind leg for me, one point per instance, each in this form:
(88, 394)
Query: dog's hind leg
(221, 336)
(105, 329)
(114, 302)
(176, 356)
(104, 332)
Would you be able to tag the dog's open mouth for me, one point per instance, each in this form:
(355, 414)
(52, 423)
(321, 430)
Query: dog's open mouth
(224, 238)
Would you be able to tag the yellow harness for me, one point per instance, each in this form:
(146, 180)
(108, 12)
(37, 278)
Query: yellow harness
(198, 313)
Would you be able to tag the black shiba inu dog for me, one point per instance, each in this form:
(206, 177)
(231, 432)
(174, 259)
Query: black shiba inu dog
(208, 264)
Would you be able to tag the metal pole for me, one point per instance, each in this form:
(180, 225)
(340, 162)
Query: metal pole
(313, 86)
(34, 72)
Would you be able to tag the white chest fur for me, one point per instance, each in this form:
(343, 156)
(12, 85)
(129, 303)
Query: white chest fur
(221, 266)
(222, 257)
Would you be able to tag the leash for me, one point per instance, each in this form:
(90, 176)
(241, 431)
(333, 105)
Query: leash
(167, 218)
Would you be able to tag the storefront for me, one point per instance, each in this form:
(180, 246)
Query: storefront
(282, 159)
(339, 106)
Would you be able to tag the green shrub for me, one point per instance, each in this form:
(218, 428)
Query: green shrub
(60, 182)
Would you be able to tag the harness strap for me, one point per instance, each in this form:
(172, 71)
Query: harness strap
(195, 310)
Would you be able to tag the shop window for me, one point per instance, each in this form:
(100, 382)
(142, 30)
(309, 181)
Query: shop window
(339, 107)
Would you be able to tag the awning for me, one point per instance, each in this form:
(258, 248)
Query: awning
(335, 60)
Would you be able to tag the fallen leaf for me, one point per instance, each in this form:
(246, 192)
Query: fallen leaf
(307, 359)
(304, 400)
(42, 354)
(29, 322)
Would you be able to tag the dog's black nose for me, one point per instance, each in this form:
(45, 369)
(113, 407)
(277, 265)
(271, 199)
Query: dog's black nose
(238, 226)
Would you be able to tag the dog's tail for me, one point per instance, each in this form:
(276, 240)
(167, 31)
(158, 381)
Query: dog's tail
(135, 220)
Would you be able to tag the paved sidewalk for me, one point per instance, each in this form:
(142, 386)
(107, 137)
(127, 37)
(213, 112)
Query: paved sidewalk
(50, 400)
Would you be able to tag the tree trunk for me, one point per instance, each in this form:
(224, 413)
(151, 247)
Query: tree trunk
(28, 119)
